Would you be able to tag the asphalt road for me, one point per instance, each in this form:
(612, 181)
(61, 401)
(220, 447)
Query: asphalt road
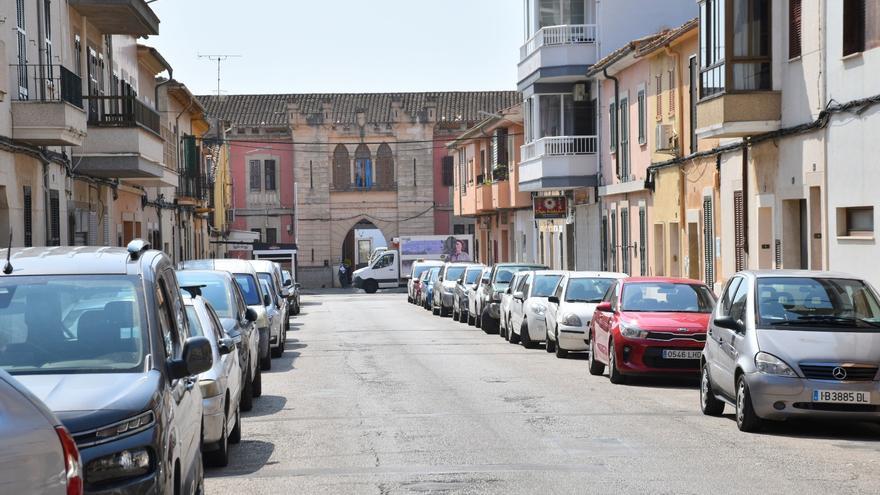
(374, 395)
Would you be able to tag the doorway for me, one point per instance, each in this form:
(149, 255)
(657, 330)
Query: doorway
(659, 250)
(693, 260)
(674, 250)
(816, 248)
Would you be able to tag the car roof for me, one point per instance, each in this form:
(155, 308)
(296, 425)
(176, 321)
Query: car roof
(585, 274)
(550, 272)
(77, 260)
(263, 265)
(216, 273)
(672, 280)
(800, 274)
(226, 265)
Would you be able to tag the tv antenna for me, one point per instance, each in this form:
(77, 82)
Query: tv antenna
(218, 58)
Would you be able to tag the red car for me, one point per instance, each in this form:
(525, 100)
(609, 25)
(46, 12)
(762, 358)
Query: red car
(650, 326)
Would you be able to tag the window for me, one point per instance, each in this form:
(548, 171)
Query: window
(21, 35)
(448, 171)
(671, 92)
(385, 261)
(831, 304)
(385, 167)
(709, 241)
(77, 55)
(613, 241)
(47, 31)
(28, 201)
(751, 45)
(739, 231)
(499, 148)
(643, 131)
(693, 70)
(259, 233)
(712, 72)
(624, 240)
(738, 302)
(462, 170)
(855, 221)
(557, 115)
(255, 178)
(341, 168)
(612, 124)
(54, 219)
(853, 26)
(794, 28)
(670, 297)
(458, 229)
(363, 167)
(728, 296)
(623, 154)
(168, 321)
(269, 174)
(643, 241)
(482, 176)
(271, 236)
(658, 82)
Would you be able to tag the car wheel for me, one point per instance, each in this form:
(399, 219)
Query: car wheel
(471, 321)
(746, 418)
(709, 404)
(219, 457)
(596, 368)
(266, 362)
(258, 383)
(277, 352)
(487, 324)
(560, 352)
(246, 402)
(235, 434)
(551, 345)
(370, 286)
(614, 374)
(524, 337)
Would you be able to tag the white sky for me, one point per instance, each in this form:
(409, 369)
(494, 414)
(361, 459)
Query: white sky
(303, 46)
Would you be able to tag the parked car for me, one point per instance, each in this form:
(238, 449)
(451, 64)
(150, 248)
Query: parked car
(220, 289)
(38, 454)
(418, 268)
(101, 337)
(293, 288)
(246, 278)
(428, 297)
(793, 344)
(650, 326)
(221, 385)
(276, 311)
(271, 271)
(419, 287)
(529, 305)
(469, 278)
(506, 298)
(475, 297)
(444, 287)
(490, 300)
(570, 309)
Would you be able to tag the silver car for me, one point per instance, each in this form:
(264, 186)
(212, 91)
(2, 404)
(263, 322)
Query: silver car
(444, 287)
(38, 454)
(221, 385)
(790, 344)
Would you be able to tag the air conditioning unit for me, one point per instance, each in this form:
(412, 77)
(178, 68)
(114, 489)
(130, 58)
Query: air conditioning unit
(580, 92)
(665, 137)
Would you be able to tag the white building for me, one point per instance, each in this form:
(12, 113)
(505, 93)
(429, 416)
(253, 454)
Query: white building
(563, 38)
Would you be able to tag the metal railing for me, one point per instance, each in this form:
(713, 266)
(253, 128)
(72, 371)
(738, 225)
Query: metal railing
(559, 146)
(121, 111)
(196, 187)
(48, 83)
(569, 34)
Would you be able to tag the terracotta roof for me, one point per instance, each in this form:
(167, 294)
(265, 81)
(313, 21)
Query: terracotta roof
(643, 46)
(668, 37)
(271, 110)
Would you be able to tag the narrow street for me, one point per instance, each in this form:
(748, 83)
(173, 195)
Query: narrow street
(374, 395)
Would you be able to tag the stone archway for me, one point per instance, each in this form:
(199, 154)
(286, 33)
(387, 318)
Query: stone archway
(360, 241)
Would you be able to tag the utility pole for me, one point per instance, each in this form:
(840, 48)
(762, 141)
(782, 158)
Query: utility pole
(219, 58)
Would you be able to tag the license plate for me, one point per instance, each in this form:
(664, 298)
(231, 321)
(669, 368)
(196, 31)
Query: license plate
(841, 397)
(676, 354)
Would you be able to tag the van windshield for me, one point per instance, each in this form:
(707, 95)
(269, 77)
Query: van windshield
(829, 303)
(72, 324)
(249, 290)
(472, 276)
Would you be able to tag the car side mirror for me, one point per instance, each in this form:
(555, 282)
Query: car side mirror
(288, 283)
(297, 285)
(553, 299)
(197, 358)
(518, 295)
(226, 346)
(250, 315)
(604, 307)
(729, 323)
(267, 300)
(285, 292)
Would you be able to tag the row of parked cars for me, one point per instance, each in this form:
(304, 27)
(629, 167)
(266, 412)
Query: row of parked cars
(775, 345)
(121, 373)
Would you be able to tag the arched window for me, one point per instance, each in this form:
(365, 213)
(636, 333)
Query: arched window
(384, 167)
(363, 167)
(341, 168)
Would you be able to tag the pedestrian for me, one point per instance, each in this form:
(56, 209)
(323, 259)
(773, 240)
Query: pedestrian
(343, 275)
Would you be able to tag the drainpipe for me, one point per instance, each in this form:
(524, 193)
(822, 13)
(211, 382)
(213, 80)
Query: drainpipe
(676, 56)
(616, 111)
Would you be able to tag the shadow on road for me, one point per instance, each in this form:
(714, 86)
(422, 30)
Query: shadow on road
(680, 383)
(820, 430)
(266, 405)
(247, 457)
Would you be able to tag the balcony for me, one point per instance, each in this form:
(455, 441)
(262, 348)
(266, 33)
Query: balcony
(558, 54)
(501, 195)
(193, 189)
(559, 162)
(47, 109)
(132, 17)
(124, 143)
(484, 198)
(733, 115)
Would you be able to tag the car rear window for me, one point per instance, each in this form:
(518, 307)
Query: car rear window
(248, 287)
(667, 297)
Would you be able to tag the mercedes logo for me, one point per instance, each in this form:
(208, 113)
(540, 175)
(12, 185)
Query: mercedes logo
(839, 373)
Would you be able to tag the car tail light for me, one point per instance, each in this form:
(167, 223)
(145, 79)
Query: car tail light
(72, 462)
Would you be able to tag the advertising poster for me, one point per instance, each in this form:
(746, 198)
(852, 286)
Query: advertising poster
(550, 207)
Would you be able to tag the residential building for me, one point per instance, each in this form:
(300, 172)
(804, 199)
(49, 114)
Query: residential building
(484, 163)
(563, 39)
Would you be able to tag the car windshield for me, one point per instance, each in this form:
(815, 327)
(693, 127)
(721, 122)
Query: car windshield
(472, 276)
(214, 290)
(195, 325)
(828, 302)
(435, 272)
(505, 275)
(286, 277)
(265, 285)
(269, 287)
(587, 290)
(248, 287)
(454, 272)
(667, 297)
(544, 285)
(72, 324)
(418, 270)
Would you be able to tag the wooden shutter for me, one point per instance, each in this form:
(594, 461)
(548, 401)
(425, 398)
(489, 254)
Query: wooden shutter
(28, 216)
(501, 140)
(269, 172)
(624, 240)
(853, 26)
(254, 166)
(778, 255)
(448, 171)
(739, 231)
(385, 167)
(613, 243)
(709, 242)
(603, 242)
(794, 28)
(341, 168)
(643, 241)
(54, 219)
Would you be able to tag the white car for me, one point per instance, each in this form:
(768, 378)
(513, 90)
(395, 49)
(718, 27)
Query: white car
(417, 269)
(276, 320)
(526, 323)
(506, 299)
(475, 295)
(570, 309)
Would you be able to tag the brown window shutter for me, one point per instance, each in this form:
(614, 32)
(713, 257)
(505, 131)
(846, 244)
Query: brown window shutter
(853, 26)
(385, 168)
(794, 29)
(739, 230)
(341, 168)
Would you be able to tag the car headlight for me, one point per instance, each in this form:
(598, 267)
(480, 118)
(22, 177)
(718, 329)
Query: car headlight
(571, 320)
(631, 331)
(126, 427)
(210, 388)
(125, 464)
(772, 365)
(539, 309)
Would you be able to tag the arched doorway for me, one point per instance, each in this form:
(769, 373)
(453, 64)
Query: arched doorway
(360, 242)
